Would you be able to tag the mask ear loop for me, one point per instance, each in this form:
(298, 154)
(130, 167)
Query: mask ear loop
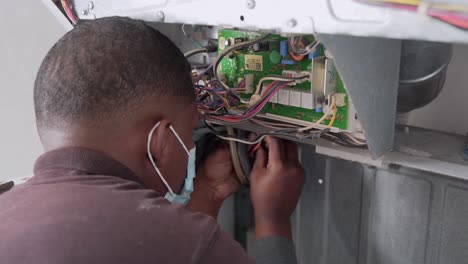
(150, 135)
(180, 140)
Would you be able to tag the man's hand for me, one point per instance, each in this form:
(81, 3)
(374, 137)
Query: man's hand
(276, 182)
(215, 181)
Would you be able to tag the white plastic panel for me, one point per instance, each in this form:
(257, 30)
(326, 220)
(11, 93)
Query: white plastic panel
(298, 16)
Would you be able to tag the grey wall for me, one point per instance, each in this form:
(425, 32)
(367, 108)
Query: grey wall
(27, 30)
(357, 214)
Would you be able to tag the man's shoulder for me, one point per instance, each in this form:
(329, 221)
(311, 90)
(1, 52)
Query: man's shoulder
(121, 213)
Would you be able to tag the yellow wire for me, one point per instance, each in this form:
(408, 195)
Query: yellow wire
(64, 6)
(402, 2)
(441, 6)
(335, 111)
(318, 122)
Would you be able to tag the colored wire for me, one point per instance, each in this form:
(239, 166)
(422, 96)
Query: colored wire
(447, 15)
(295, 57)
(68, 11)
(299, 47)
(433, 5)
(253, 110)
(335, 111)
(277, 78)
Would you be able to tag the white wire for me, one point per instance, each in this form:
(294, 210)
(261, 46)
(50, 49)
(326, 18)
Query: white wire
(281, 79)
(260, 139)
(195, 51)
(183, 30)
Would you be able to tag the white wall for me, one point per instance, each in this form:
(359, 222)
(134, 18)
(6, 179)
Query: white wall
(449, 111)
(27, 31)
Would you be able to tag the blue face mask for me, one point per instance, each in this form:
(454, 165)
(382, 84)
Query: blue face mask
(187, 189)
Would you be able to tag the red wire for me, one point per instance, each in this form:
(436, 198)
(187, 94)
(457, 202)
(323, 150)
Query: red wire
(463, 23)
(69, 12)
(453, 19)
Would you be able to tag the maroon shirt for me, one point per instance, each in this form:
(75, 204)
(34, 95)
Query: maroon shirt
(84, 207)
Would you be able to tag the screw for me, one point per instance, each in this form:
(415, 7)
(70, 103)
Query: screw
(84, 12)
(320, 181)
(160, 16)
(250, 4)
(291, 23)
(90, 5)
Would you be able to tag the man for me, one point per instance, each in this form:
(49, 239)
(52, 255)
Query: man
(115, 113)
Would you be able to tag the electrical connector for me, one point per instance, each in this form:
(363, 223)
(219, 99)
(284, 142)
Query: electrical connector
(255, 98)
(296, 74)
(340, 99)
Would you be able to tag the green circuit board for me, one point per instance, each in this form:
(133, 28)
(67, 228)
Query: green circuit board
(247, 61)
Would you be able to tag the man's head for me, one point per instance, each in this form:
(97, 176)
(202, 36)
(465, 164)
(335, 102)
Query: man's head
(105, 84)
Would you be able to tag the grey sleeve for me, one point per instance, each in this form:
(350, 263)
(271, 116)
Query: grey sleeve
(223, 249)
(271, 250)
(274, 250)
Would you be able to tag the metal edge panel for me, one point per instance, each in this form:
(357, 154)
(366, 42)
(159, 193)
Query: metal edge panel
(370, 68)
(299, 16)
(58, 15)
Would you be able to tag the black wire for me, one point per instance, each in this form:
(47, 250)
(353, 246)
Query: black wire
(194, 52)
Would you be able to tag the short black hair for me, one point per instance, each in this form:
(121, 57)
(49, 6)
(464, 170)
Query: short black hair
(108, 67)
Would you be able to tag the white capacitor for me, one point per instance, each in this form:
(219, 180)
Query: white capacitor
(249, 83)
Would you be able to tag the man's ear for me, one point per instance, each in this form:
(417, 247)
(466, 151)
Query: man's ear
(159, 140)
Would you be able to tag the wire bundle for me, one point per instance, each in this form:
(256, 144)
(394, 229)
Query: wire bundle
(214, 100)
(255, 108)
(299, 46)
(69, 12)
(454, 14)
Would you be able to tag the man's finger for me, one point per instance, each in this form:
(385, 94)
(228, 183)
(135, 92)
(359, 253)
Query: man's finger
(260, 159)
(291, 151)
(251, 137)
(275, 149)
